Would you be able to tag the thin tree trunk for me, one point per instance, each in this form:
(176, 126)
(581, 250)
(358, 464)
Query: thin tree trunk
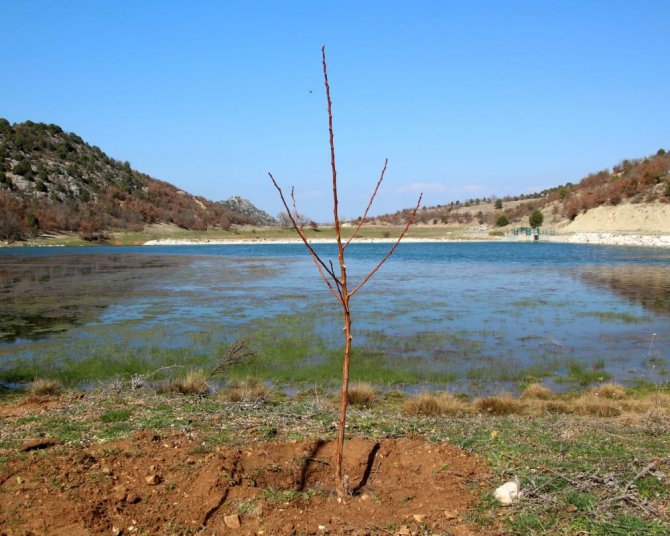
(340, 483)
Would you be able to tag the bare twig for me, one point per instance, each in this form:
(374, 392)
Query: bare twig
(372, 198)
(410, 221)
(237, 353)
(320, 265)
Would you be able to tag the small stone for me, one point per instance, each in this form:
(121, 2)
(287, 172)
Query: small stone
(106, 471)
(450, 514)
(153, 480)
(116, 531)
(322, 527)
(419, 518)
(508, 493)
(232, 521)
(365, 497)
(190, 461)
(571, 508)
(404, 531)
(120, 493)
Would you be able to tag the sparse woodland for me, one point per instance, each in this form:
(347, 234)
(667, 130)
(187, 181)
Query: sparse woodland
(644, 180)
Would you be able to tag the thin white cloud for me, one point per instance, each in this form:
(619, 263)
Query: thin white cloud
(423, 187)
(441, 188)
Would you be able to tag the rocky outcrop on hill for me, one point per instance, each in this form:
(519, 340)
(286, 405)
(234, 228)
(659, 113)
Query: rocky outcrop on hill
(244, 206)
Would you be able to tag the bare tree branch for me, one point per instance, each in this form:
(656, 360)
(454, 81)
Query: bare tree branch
(320, 265)
(331, 139)
(372, 198)
(296, 214)
(410, 221)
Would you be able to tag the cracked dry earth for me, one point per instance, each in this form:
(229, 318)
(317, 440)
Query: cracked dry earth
(154, 484)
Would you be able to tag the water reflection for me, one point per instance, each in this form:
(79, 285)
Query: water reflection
(648, 286)
(45, 295)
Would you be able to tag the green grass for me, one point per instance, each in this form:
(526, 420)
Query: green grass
(578, 373)
(116, 415)
(610, 316)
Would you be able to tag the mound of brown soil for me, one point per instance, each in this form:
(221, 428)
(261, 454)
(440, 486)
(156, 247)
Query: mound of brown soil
(174, 485)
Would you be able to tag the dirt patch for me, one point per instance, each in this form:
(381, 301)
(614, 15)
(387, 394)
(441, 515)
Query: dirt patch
(172, 485)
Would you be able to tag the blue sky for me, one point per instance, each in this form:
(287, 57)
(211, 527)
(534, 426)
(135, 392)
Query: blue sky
(466, 99)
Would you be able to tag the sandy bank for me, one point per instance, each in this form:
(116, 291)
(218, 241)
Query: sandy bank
(607, 239)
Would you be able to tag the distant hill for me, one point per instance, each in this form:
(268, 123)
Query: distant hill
(53, 181)
(634, 182)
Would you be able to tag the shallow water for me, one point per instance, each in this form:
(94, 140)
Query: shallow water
(472, 316)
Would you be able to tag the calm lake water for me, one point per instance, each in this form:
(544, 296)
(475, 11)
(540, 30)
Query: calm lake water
(472, 317)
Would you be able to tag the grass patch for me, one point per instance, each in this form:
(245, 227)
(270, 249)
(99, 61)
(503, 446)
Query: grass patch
(610, 316)
(579, 373)
(536, 391)
(434, 404)
(116, 415)
(195, 383)
(45, 387)
(247, 390)
(498, 405)
(362, 395)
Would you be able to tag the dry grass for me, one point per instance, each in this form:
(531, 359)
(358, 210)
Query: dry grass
(433, 404)
(363, 395)
(195, 383)
(248, 390)
(612, 391)
(595, 405)
(660, 401)
(536, 391)
(498, 405)
(41, 387)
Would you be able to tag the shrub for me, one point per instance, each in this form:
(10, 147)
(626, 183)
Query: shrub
(502, 220)
(536, 218)
(498, 204)
(42, 387)
(22, 168)
(362, 394)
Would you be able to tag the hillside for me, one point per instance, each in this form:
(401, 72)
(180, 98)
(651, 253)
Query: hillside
(53, 181)
(633, 196)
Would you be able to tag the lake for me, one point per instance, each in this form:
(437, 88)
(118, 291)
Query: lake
(467, 317)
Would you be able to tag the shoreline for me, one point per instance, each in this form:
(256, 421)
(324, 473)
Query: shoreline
(601, 238)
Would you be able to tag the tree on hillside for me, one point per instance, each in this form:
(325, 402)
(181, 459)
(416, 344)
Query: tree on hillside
(337, 282)
(502, 220)
(536, 218)
(498, 204)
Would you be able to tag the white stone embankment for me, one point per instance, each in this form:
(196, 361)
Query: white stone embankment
(606, 239)
(611, 239)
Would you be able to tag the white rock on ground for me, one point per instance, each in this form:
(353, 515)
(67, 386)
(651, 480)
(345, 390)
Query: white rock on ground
(508, 493)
